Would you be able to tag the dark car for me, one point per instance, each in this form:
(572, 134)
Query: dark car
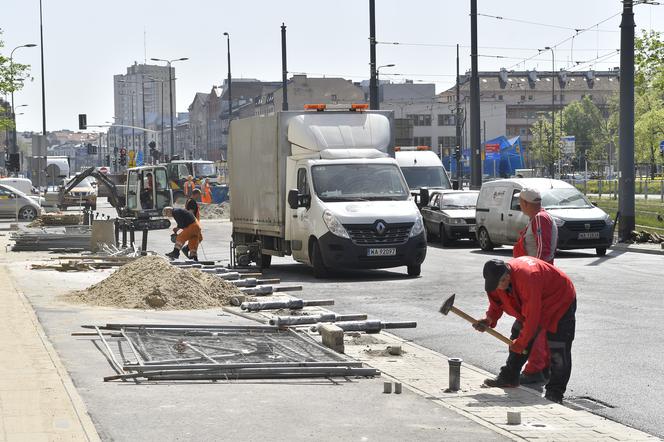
(450, 215)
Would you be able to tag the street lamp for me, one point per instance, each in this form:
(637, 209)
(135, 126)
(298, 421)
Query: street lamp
(378, 81)
(230, 96)
(14, 146)
(170, 95)
(553, 104)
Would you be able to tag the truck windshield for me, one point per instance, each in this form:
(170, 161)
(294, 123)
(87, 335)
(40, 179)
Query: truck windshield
(202, 170)
(418, 177)
(358, 182)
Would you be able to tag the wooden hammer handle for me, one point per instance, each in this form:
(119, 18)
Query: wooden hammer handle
(489, 330)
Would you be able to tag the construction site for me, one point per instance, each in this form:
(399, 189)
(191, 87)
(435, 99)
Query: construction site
(133, 346)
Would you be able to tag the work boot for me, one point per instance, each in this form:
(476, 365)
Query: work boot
(539, 377)
(501, 382)
(553, 397)
(185, 251)
(193, 257)
(175, 254)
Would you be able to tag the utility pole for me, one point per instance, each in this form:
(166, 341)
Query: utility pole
(475, 155)
(626, 135)
(457, 121)
(284, 69)
(373, 81)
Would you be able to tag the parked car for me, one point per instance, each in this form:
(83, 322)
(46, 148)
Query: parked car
(581, 225)
(450, 215)
(16, 204)
(83, 194)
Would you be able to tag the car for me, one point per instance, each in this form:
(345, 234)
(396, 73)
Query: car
(450, 215)
(16, 204)
(580, 224)
(84, 194)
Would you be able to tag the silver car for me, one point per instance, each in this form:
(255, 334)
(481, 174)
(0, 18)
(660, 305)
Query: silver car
(16, 204)
(450, 215)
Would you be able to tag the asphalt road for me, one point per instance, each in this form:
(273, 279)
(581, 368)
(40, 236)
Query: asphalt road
(617, 352)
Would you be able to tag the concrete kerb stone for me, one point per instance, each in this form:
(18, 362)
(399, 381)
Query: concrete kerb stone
(637, 248)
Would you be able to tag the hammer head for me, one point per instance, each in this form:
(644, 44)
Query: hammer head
(447, 305)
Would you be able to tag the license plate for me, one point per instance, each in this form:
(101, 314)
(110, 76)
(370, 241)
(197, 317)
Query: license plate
(381, 252)
(471, 228)
(589, 235)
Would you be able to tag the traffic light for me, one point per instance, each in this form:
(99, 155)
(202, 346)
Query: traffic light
(89, 148)
(82, 121)
(14, 162)
(123, 156)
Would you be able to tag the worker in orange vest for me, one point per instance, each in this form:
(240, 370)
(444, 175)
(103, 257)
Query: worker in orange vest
(207, 193)
(189, 186)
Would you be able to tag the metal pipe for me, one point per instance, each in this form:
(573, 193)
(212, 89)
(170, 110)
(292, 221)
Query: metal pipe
(293, 304)
(281, 321)
(454, 373)
(284, 69)
(235, 366)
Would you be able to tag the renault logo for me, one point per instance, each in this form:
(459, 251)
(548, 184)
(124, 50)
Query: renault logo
(380, 227)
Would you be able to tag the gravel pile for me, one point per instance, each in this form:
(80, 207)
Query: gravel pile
(215, 211)
(57, 219)
(150, 282)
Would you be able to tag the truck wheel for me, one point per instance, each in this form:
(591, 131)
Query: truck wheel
(266, 261)
(444, 240)
(320, 271)
(600, 251)
(484, 240)
(27, 213)
(414, 270)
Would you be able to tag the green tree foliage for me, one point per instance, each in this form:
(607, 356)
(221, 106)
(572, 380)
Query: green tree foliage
(12, 77)
(649, 98)
(543, 147)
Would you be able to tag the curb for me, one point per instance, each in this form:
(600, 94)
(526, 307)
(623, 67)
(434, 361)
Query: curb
(630, 248)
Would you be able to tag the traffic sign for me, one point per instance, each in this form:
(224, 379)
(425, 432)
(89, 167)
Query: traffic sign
(661, 147)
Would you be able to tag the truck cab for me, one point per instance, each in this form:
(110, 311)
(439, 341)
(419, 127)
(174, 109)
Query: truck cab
(422, 168)
(147, 191)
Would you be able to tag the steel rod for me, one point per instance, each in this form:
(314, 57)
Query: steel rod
(311, 364)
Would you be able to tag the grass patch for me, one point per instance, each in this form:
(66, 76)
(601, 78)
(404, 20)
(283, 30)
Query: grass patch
(648, 213)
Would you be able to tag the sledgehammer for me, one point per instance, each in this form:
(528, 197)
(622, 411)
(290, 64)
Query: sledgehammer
(448, 306)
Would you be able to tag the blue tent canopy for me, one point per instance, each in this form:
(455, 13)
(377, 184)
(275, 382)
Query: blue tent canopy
(503, 156)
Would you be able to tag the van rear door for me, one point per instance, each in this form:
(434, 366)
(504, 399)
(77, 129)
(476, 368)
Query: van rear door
(516, 220)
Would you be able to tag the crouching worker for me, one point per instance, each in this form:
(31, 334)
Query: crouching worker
(188, 232)
(543, 300)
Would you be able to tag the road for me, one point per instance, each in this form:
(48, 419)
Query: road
(617, 349)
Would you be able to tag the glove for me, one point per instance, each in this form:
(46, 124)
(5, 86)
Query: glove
(481, 325)
(518, 347)
(175, 230)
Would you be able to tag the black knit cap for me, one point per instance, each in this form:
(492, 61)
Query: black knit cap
(494, 269)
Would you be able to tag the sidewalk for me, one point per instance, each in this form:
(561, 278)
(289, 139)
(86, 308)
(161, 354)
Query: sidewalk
(37, 398)
(426, 373)
(649, 248)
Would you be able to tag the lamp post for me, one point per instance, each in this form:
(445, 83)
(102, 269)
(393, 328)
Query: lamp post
(14, 146)
(377, 89)
(553, 108)
(230, 96)
(170, 95)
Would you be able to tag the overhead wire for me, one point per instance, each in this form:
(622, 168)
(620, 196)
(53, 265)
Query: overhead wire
(540, 24)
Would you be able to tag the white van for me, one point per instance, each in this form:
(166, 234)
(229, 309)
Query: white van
(422, 168)
(581, 225)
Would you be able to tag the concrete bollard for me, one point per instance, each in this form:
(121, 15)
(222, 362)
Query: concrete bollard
(333, 337)
(513, 418)
(397, 388)
(455, 373)
(394, 350)
(387, 387)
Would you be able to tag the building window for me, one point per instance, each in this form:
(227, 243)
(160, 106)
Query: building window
(523, 98)
(446, 142)
(420, 119)
(446, 120)
(530, 97)
(500, 97)
(422, 141)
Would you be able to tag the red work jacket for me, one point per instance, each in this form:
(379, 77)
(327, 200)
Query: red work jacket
(540, 295)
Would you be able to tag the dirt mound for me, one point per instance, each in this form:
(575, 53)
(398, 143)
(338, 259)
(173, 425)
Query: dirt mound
(151, 282)
(215, 211)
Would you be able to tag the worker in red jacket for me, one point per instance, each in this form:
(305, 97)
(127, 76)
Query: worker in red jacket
(543, 299)
(539, 239)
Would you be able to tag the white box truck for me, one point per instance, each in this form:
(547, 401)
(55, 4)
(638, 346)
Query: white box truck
(320, 185)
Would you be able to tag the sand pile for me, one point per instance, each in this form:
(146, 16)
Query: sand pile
(150, 282)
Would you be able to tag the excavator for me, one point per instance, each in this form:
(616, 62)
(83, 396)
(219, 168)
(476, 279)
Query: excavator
(140, 206)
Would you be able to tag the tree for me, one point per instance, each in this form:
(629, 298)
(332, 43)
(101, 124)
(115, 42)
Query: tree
(12, 77)
(542, 147)
(649, 98)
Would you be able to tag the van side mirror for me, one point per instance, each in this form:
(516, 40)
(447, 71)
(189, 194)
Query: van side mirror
(424, 196)
(594, 203)
(455, 184)
(293, 199)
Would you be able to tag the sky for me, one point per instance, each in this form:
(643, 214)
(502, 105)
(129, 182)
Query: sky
(86, 42)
